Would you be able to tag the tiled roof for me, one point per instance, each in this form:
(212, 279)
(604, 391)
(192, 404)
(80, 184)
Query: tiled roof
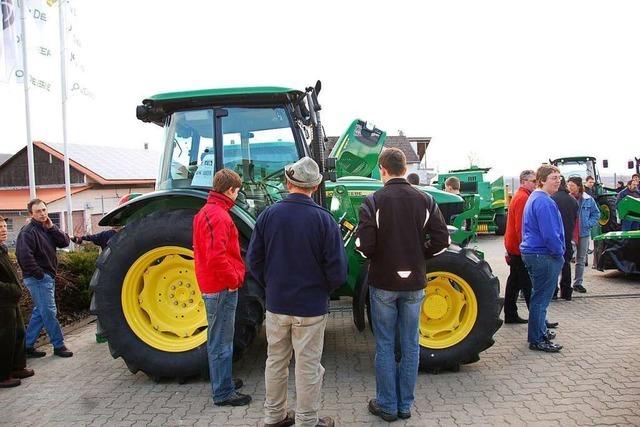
(398, 141)
(114, 163)
(16, 200)
(4, 157)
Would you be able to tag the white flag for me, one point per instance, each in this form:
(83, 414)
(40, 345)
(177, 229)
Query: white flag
(11, 58)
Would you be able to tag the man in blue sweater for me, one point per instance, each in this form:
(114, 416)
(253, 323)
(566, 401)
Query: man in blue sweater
(296, 252)
(542, 251)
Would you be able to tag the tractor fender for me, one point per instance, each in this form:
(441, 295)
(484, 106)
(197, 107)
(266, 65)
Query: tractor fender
(360, 295)
(169, 200)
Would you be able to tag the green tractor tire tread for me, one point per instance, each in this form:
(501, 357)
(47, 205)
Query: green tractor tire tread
(477, 272)
(162, 228)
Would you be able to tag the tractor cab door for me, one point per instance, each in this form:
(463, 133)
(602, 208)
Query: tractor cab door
(357, 150)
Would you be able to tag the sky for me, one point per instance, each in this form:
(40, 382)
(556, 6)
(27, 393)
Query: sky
(509, 83)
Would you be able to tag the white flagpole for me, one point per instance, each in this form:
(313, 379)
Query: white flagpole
(25, 81)
(63, 95)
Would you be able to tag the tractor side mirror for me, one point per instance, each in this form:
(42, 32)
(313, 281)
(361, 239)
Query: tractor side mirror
(605, 163)
(630, 164)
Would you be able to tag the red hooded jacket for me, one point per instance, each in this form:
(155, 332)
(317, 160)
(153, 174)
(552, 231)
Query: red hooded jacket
(216, 247)
(513, 234)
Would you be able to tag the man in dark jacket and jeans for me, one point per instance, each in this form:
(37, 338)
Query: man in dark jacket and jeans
(36, 252)
(13, 363)
(297, 254)
(399, 228)
(568, 207)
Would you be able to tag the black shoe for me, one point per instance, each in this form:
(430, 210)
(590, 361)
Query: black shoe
(580, 288)
(378, 412)
(237, 383)
(10, 382)
(555, 296)
(22, 373)
(404, 415)
(32, 353)
(550, 336)
(236, 399)
(566, 296)
(325, 422)
(62, 352)
(546, 346)
(551, 325)
(289, 420)
(516, 319)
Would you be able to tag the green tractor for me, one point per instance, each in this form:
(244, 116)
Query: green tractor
(620, 249)
(583, 167)
(492, 216)
(146, 294)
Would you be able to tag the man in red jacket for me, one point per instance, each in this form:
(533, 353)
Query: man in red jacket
(220, 272)
(519, 279)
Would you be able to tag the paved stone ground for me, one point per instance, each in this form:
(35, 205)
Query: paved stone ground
(595, 380)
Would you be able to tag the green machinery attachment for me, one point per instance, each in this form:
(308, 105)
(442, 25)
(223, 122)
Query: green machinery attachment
(620, 249)
(492, 210)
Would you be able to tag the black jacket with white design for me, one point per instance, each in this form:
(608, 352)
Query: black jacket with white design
(399, 228)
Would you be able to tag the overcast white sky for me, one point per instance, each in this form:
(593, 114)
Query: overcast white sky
(515, 82)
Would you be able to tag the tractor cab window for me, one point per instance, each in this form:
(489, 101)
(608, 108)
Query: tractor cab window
(188, 159)
(258, 143)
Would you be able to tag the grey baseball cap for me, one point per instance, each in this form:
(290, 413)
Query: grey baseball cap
(304, 173)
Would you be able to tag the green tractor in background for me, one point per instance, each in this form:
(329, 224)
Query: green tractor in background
(492, 215)
(584, 166)
(621, 249)
(146, 294)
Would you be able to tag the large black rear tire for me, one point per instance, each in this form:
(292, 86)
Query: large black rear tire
(458, 273)
(163, 229)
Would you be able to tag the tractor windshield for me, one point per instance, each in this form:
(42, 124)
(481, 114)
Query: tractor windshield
(254, 142)
(576, 168)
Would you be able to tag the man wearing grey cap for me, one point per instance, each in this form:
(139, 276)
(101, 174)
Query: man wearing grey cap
(296, 252)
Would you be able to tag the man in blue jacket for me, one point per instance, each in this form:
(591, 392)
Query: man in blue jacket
(542, 251)
(296, 252)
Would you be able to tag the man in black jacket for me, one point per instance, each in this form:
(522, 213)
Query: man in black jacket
(568, 207)
(36, 252)
(399, 228)
(13, 363)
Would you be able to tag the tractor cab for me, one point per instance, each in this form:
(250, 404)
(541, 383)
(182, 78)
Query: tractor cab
(580, 166)
(252, 131)
(605, 197)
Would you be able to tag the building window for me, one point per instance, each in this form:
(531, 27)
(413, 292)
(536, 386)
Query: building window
(9, 224)
(55, 218)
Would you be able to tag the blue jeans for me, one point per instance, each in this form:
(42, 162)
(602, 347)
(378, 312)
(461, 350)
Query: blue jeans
(544, 271)
(44, 311)
(221, 313)
(628, 225)
(395, 315)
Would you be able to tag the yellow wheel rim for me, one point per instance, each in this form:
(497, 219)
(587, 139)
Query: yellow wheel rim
(162, 302)
(449, 310)
(605, 214)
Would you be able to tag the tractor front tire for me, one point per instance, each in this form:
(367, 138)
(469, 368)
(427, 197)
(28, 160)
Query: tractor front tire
(460, 312)
(149, 303)
(608, 214)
